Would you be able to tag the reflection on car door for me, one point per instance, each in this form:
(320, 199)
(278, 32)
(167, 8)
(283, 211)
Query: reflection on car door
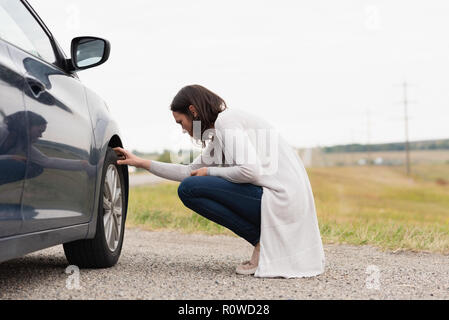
(12, 136)
(60, 181)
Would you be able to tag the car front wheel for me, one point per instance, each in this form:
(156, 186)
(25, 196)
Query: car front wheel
(104, 249)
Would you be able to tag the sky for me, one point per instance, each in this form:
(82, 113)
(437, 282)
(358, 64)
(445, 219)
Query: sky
(323, 72)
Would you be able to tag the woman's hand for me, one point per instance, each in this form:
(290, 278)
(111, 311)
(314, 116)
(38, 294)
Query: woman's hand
(125, 157)
(199, 172)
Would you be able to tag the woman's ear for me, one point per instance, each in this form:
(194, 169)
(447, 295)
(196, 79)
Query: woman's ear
(193, 110)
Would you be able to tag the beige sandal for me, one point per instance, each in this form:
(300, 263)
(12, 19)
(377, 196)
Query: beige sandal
(243, 268)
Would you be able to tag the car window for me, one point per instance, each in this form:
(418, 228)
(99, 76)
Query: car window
(19, 27)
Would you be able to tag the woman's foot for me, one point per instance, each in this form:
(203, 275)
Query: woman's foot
(249, 267)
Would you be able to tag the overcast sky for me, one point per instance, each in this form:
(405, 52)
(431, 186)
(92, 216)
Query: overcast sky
(323, 72)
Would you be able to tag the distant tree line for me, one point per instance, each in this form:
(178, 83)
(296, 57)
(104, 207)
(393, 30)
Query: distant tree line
(417, 145)
(191, 155)
(142, 154)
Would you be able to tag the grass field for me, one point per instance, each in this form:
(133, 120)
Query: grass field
(417, 157)
(376, 205)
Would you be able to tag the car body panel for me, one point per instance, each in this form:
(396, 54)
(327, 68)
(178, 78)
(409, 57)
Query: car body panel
(12, 171)
(59, 187)
(19, 245)
(54, 204)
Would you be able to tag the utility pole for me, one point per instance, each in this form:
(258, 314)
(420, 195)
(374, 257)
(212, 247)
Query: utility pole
(407, 146)
(368, 135)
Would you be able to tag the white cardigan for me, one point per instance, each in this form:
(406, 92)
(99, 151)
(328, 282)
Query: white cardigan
(290, 243)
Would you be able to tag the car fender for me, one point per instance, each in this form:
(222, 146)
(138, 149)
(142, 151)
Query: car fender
(106, 134)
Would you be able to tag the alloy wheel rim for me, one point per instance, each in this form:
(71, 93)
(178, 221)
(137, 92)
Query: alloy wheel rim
(112, 207)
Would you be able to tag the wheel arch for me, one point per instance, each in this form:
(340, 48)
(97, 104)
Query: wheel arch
(112, 142)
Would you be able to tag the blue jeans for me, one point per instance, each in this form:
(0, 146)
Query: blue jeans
(236, 206)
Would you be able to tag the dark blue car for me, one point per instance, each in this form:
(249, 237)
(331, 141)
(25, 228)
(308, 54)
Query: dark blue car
(59, 180)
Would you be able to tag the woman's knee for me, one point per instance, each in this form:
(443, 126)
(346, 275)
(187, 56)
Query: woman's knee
(186, 185)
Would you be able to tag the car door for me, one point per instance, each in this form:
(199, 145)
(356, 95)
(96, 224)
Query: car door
(60, 181)
(12, 137)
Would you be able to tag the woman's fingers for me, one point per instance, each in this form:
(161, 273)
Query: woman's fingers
(125, 157)
(121, 154)
(119, 151)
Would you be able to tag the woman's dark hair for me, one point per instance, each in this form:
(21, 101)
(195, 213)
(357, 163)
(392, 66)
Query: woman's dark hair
(16, 126)
(16, 121)
(207, 104)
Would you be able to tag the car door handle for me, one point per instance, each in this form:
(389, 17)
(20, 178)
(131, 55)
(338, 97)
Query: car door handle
(36, 87)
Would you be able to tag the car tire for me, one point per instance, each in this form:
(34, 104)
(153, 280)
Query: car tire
(103, 251)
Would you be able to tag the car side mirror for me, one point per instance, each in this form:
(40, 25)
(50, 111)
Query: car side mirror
(88, 52)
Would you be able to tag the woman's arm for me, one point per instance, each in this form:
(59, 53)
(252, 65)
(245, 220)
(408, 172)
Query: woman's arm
(176, 171)
(54, 163)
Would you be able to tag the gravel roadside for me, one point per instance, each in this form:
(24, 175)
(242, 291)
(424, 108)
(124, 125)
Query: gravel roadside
(171, 265)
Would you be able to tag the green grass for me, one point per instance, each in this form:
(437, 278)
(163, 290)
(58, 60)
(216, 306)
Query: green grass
(379, 206)
(158, 207)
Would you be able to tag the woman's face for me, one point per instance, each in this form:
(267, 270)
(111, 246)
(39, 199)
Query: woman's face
(36, 132)
(185, 122)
